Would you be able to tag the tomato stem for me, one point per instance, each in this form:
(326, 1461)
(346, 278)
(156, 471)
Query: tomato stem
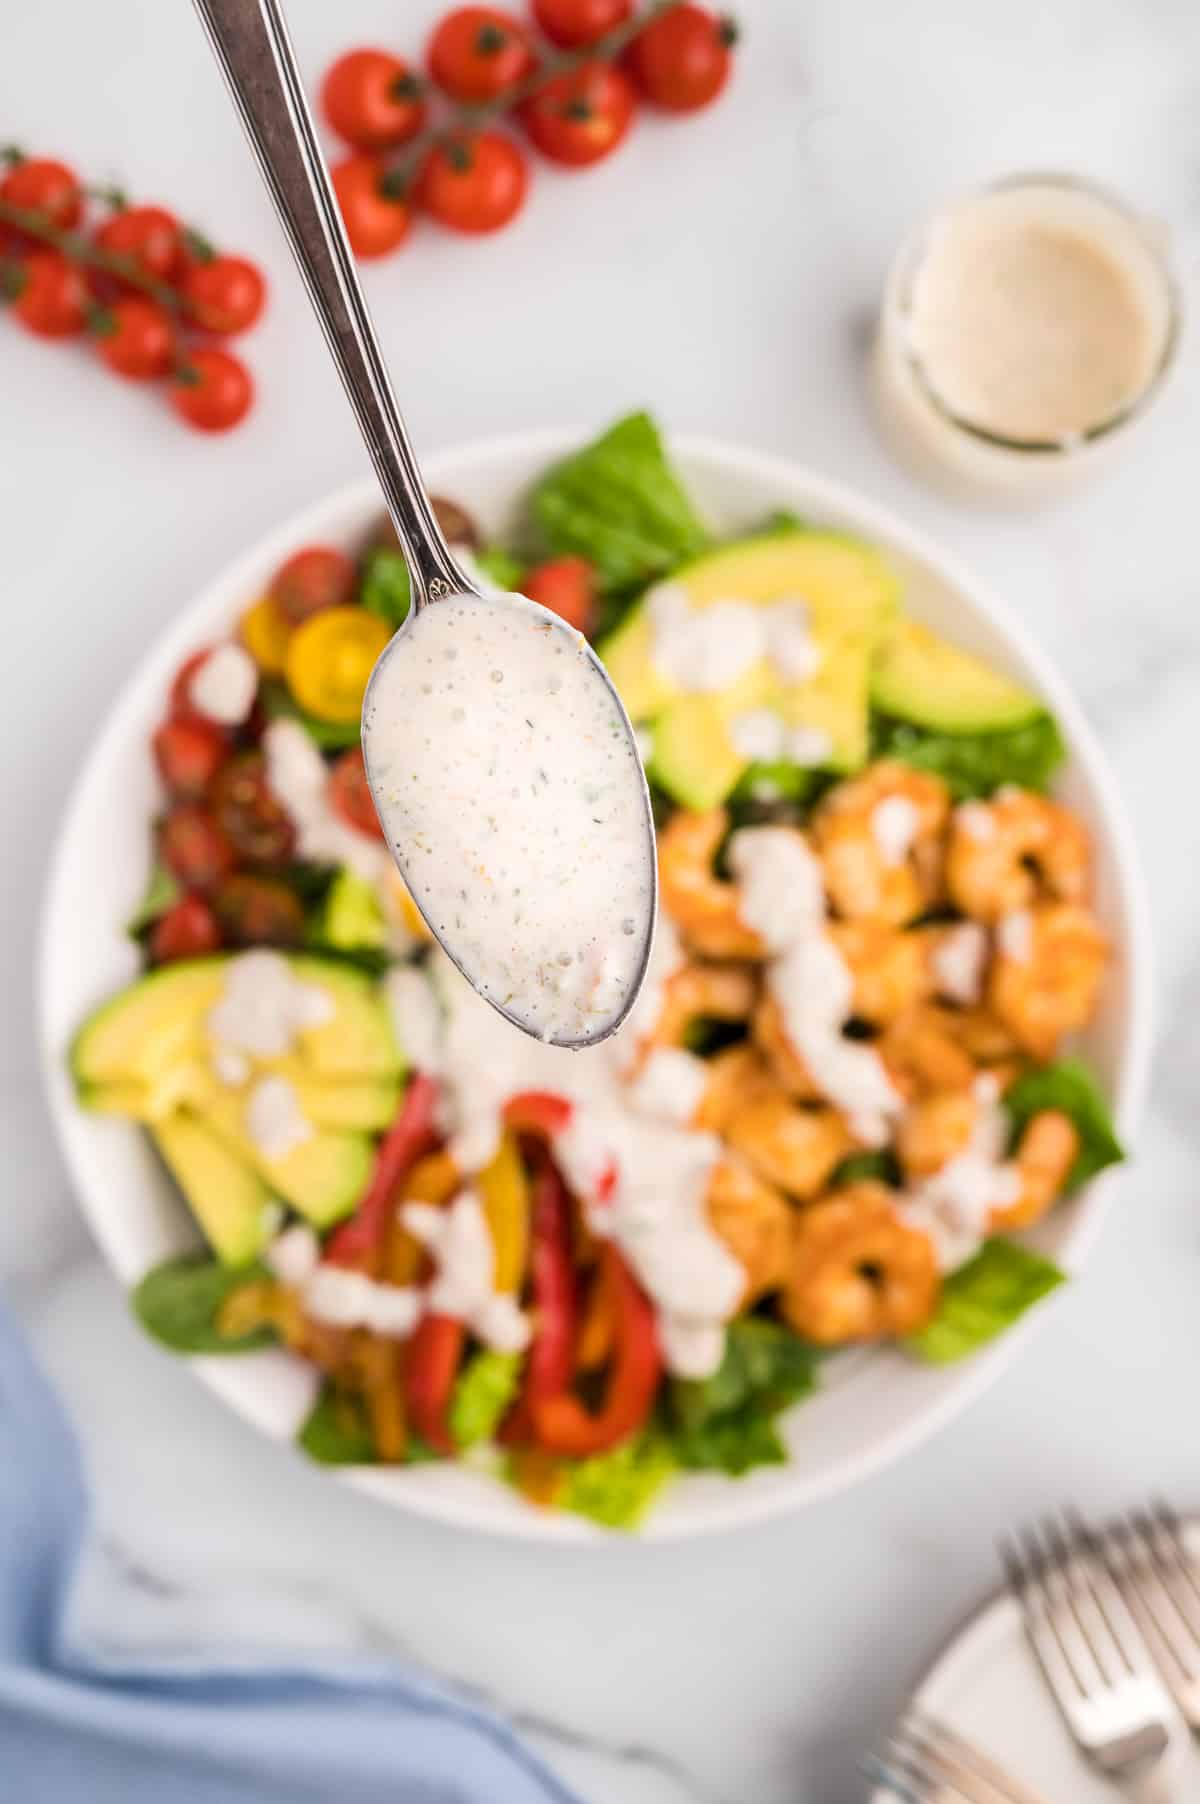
(81, 250)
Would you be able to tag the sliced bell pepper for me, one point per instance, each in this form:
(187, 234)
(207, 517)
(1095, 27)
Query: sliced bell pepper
(538, 1112)
(554, 1302)
(411, 1135)
(596, 1330)
(562, 1424)
(431, 1362)
(504, 1193)
(433, 1179)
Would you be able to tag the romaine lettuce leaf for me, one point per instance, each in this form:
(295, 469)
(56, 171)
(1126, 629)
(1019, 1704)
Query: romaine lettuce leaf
(617, 1488)
(982, 1298)
(484, 1389)
(975, 764)
(727, 1422)
(178, 1302)
(1069, 1086)
(500, 567)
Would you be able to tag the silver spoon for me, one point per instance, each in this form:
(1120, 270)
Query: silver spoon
(253, 48)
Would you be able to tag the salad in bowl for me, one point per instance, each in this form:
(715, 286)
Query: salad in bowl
(849, 1090)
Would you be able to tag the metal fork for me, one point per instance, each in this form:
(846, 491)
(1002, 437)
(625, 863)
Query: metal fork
(1148, 1559)
(926, 1762)
(1089, 1647)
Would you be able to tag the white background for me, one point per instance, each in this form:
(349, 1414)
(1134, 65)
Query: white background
(722, 271)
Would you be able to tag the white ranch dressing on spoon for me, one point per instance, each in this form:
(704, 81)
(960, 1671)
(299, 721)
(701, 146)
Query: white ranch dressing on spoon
(511, 793)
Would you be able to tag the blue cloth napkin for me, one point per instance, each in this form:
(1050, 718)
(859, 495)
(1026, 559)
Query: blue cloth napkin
(78, 1724)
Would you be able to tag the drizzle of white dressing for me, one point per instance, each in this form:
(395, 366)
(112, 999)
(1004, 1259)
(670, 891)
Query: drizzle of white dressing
(1014, 936)
(813, 986)
(460, 1243)
(691, 1346)
(299, 778)
(954, 1206)
(705, 649)
(976, 820)
(959, 963)
(349, 1299)
(791, 646)
(262, 1009)
(894, 825)
(416, 1017)
(230, 1066)
(513, 798)
(224, 686)
(294, 1256)
(780, 887)
(670, 1085)
(274, 1119)
(808, 746)
(758, 734)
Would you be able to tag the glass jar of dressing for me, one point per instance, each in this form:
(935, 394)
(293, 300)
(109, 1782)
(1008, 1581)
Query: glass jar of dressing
(1023, 333)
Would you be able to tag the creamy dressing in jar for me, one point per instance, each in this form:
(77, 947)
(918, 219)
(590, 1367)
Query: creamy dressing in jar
(512, 795)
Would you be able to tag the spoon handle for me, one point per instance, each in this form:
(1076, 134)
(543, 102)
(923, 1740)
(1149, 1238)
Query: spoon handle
(253, 48)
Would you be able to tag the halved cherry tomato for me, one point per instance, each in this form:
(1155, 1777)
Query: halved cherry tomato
(478, 51)
(180, 705)
(350, 795)
(135, 337)
(51, 295)
(373, 99)
(148, 236)
(567, 586)
(681, 60)
(189, 753)
(561, 1422)
(42, 185)
(312, 579)
(473, 181)
(430, 1368)
(212, 390)
(257, 911)
(572, 23)
(265, 630)
(223, 294)
(330, 658)
(580, 117)
(251, 816)
(189, 929)
(194, 848)
(376, 217)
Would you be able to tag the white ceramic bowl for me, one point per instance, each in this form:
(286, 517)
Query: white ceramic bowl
(871, 1409)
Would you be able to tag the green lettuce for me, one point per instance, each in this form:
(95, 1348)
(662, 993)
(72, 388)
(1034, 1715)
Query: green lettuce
(726, 1423)
(336, 1431)
(485, 1387)
(384, 587)
(501, 568)
(617, 1488)
(178, 1302)
(982, 1298)
(162, 891)
(1070, 1087)
(618, 503)
(882, 1166)
(331, 735)
(975, 764)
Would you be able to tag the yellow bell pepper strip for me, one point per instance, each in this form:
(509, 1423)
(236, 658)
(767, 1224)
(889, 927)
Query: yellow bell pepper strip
(504, 1193)
(330, 658)
(431, 1180)
(380, 1365)
(265, 632)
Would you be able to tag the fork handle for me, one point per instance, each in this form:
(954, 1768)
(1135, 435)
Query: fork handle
(252, 46)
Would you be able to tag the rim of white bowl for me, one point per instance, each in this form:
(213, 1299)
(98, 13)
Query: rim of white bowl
(731, 1511)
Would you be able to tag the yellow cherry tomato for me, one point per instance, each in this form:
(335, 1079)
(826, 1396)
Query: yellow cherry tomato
(265, 633)
(329, 659)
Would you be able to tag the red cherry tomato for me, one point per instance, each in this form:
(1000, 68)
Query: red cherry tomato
(148, 236)
(478, 51)
(567, 586)
(188, 930)
(223, 294)
(376, 221)
(189, 753)
(52, 296)
(373, 99)
(316, 578)
(257, 911)
(572, 23)
(579, 117)
(180, 705)
(135, 337)
(194, 848)
(211, 390)
(681, 60)
(474, 182)
(350, 795)
(254, 821)
(44, 186)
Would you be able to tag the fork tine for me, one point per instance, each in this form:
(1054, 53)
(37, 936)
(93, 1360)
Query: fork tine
(1023, 1564)
(972, 1761)
(1149, 1577)
(1167, 1538)
(1113, 1622)
(1061, 1616)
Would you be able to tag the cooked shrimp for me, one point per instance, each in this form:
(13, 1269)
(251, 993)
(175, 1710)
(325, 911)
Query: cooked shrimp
(703, 906)
(770, 1035)
(935, 1131)
(1049, 1148)
(1046, 974)
(880, 840)
(1016, 849)
(784, 1142)
(755, 1223)
(698, 992)
(858, 1272)
(922, 1053)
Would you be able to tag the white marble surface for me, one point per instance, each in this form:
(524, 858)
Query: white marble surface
(723, 272)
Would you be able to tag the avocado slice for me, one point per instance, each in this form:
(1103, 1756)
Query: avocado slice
(918, 676)
(695, 759)
(231, 1203)
(351, 916)
(358, 1040)
(322, 1178)
(364, 1105)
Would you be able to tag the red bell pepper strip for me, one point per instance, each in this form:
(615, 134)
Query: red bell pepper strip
(410, 1137)
(554, 1300)
(562, 1424)
(431, 1361)
(538, 1112)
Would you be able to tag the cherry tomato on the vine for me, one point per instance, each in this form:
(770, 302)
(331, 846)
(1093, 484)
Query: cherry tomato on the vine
(44, 186)
(376, 220)
(248, 812)
(189, 929)
(135, 337)
(223, 294)
(681, 60)
(567, 586)
(572, 23)
(313, 579)
(478, 51)
(148, 236)
(580, 117)
(373, 99)
(50, 296)
(258, 911)
(189, 752)
(350, 795)
(194, 848)
(211, 390)
(473, 182)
